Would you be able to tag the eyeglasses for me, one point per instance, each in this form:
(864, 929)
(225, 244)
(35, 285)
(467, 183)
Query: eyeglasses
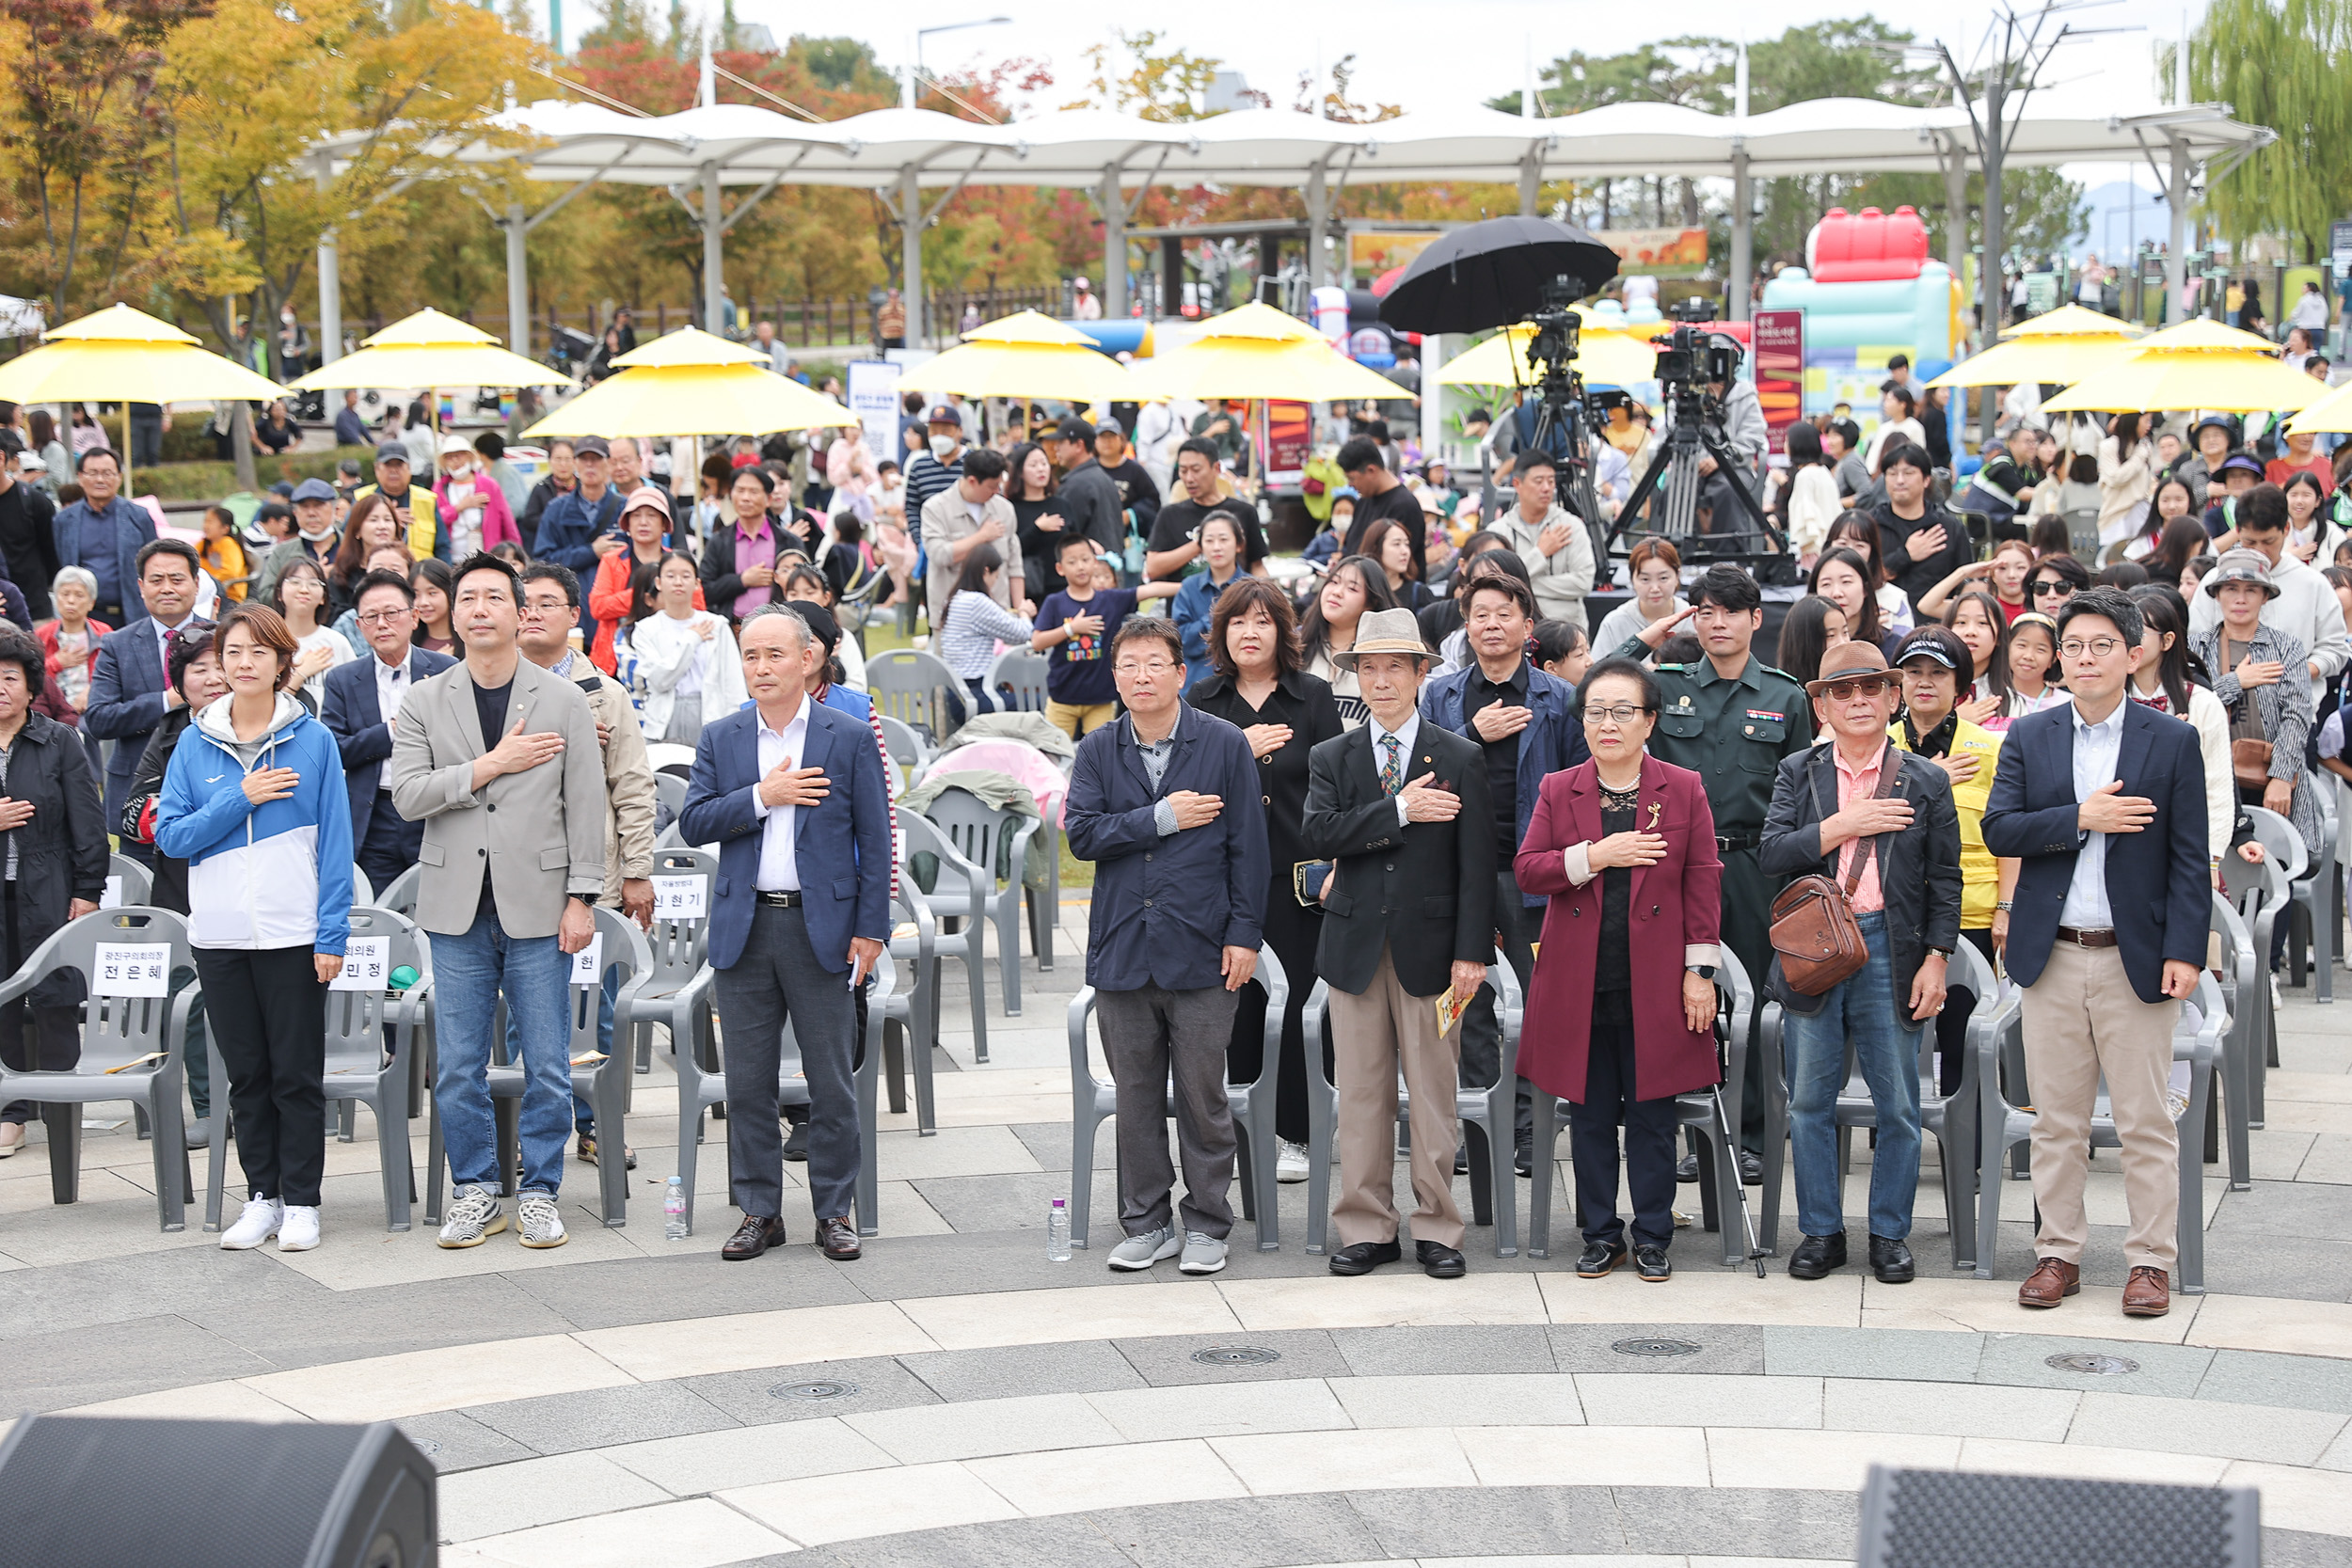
(2059, 586)
(1846, 692)
(383, 617)
(1623, 713)
(2097, 647)
(1155, 667)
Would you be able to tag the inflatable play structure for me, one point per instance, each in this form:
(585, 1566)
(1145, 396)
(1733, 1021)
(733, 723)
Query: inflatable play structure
(1868, 292)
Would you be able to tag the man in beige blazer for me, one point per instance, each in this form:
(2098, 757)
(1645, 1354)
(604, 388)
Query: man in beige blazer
(499, 759)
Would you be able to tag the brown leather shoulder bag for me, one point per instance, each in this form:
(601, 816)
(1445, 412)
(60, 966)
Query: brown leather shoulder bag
(1813, 931)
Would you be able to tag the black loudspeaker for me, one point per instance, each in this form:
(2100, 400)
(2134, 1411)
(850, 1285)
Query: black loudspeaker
(120, 1492)
(1944, 1519)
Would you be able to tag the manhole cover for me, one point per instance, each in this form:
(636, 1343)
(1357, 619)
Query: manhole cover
(1236, 1355)
(424, 1445)
(1655, 1347)
(828, 1390)
(2095, 1366)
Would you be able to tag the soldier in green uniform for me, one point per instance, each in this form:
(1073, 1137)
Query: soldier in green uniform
(1730, 717)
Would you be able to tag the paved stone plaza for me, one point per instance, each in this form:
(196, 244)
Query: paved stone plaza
(954, 1398)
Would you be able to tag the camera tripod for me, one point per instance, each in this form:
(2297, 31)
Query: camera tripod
(1675, 471)
(1560, 432)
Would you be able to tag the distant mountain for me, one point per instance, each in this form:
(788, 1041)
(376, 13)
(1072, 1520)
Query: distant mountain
(2122, 215)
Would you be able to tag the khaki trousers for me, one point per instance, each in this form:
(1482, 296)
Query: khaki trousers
(2082, 1020)
(1370, 1035)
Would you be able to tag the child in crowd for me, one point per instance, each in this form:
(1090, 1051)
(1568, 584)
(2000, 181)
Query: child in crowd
(222, 554)
(1562, 650)
(1073, 630)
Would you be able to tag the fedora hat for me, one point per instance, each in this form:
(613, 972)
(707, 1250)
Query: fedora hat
(1385, 631)
(1846, 661)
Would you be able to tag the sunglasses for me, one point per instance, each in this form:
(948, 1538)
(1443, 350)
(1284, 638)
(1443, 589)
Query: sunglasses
(1846, 692)
(2059, 586)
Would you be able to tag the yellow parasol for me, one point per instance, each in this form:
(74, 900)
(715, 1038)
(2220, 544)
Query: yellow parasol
(1027, 356)
(430, 349)
(2331, 414)
(689, 383)
(1257, 352)
(2198, 364)
(1604, 357)
(2062, 347)
(126, 356)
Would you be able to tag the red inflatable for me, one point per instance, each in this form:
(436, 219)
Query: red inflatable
(1869, 246)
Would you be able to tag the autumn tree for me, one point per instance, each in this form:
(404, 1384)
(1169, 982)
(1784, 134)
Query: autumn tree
(2280, 63)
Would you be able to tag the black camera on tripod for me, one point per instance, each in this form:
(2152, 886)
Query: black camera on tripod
(1694, 356)
(1553, 349)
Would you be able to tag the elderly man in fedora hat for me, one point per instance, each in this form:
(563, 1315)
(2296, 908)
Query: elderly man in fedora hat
(1881, 822)
(1408, 918)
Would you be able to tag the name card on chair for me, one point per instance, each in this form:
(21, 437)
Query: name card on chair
(367, 965)
(588, 963)
(680, 898)
(112, 897)
(144, 969)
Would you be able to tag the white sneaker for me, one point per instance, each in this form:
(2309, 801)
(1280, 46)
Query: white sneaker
(1290, 1161)
(299, 1231)
(542, 1226)
(1203, 1254)
(1141, 1252)
(473, 1214)
(257, 1224)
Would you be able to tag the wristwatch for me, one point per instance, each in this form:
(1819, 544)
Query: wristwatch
(587, 898)
(1943, 952)
(1704, 972)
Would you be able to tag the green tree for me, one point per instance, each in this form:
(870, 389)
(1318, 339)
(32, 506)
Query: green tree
(2283, 64)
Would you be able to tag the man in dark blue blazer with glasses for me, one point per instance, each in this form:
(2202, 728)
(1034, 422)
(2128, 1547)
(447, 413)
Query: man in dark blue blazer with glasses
(360, 706)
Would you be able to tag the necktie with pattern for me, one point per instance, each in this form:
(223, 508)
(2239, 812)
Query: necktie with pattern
(1392, 771)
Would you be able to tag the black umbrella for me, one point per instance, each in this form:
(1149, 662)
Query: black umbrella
(1495, 273)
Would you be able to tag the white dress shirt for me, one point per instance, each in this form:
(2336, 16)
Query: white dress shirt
(2097, 748)
(779, 859)
(391, 689)
(1406, 735)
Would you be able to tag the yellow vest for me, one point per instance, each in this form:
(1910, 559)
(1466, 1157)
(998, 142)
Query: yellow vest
(1979, 877)
(425, 517)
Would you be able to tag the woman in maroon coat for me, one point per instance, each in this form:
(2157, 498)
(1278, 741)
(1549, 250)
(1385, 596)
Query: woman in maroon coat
(1621, 1010)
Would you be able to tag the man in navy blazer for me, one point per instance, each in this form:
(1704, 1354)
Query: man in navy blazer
(361, 706)
(792, 793)
(1167, 805)
(129, 690)
(2106, 937)
(106, 534)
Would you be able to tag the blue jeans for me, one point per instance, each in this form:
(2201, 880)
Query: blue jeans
(469, 971)
(583, 1114)
(1862, 1008)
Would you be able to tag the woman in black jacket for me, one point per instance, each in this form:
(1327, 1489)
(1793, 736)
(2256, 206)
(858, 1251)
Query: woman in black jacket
(53, 828)
(1284, 713)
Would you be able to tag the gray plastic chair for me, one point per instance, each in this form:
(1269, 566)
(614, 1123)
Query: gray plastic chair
(915, 689)
(959, 895)
(2002, 1090)
(669, 791)
(1490, 1112)
(1093, 1101)
(2248, 999)
(2264, 895)
(905, 747)
(401, 896)
(359, 1068)
(679, 949)
(604, 1083)
(1017, 679)
(977, 831)
(115, 1031)
(362, 892)
(913, 1006)
(2304, 876)
(129, 885)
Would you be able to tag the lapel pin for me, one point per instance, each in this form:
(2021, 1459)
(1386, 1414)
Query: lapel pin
(1655, 807)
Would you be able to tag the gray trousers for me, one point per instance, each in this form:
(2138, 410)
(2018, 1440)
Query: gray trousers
(1482, 1021)
(1145, 1035)
(776, 980)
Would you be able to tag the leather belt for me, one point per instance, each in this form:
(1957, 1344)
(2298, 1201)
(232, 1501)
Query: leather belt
(1725, 842)
(2105, 938)
(782, 899)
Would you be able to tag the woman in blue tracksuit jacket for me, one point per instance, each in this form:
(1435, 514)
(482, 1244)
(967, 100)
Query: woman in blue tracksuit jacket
(254, 801)
(1220, 543)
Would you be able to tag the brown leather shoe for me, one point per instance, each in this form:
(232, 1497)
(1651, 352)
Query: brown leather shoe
(2053, 1279)
(755, 1235)
(2147, 1293)
(839, 1237)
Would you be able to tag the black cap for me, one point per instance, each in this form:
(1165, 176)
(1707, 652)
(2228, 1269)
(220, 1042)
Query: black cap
(1076, 430)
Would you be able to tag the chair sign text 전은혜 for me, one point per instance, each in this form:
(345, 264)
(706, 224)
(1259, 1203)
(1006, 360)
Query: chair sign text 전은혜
(144, 969)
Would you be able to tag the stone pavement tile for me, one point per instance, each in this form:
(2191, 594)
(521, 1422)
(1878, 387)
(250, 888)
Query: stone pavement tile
(2021, 1360)
(1990, 1307)
(2291, 1115)
(1834, 1353)
(1636, 1400)
(1585, 1456)
(2295, 1210)
(67, 1296)
(1503, 1400)
(698, 1534)
(1177, 1305)
(905, 1213)
(817, 1511)
(2295, 1382)
(1405, 1351)
(390, 1386)
(2277, 1156)
(1819, 1461)
(976, 1264)
(533, 1492)
(50, 1234)
(750, 1398)
(952, 1152)
(455, 1441)
(1399, 1296)
(98, 1186)
(2088, 1462)
(2205, 1426)
(929, 1435)
(2293, 1548)
(1814, 1524)
(1705, 1295)
(1018, 1201)
(1083, 1367)
(1049, 1145)
(1946, 1409)
(356, 1261)
(1053, 1541)
(1167, 1360)
(2253, 1323)
(320, 1326)
(748, 1456)
(614, 1294)
(1163, 1415)
(1074, 1479)
(1345, 1461)
(2329, 1160)
(1737, 1348)
(723, 1344)
(2319, 1088)
(2338, 1454)
(1497, 1521)
(197, 1401)
(596, 1418)
(52, 1371)
(1241, 1532)
(2255, 1263)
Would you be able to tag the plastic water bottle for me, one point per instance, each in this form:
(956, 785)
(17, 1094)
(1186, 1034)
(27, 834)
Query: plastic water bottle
(674, 1211)
(1057, 1232)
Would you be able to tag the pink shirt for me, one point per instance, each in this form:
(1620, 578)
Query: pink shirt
(754, 549)
(1859, 783)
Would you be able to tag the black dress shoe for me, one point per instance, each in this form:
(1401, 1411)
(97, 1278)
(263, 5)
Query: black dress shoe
(1651, 1264)
(1687, 1168)
(1816, 1255)
(755, 1235)
(1890, 1260)
(1439, 1261)
(1751, 1169)
(1524, 1159)
(1461, 1159)
(796, 1142)
(1364, 1257)
(839, 1237)
(1597, 1258)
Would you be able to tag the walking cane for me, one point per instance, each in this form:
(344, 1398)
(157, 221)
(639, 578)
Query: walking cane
(1731, 1137)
